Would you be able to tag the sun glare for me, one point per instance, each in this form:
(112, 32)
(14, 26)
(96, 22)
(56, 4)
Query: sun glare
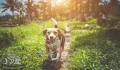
(59, 1)
(54, 2)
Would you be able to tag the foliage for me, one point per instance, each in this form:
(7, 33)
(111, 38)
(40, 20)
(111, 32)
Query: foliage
(29, 45)
(64, 9)
(68, 9)
(18, 20)
(91, 49)
(110, 21)
(6, 38)
(91, 22)
(26, 46)
(10, 4)
(32, 8)
(113, 19)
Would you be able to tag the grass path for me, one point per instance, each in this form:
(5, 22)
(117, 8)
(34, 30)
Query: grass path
(67, 47)
(61, 65)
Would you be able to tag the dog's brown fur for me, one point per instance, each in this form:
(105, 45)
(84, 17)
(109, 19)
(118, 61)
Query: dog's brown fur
(58, 40)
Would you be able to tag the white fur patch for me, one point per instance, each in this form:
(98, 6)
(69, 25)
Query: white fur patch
(55, 45)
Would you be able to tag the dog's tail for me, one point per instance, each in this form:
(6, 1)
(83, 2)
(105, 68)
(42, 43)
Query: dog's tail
(55, 22)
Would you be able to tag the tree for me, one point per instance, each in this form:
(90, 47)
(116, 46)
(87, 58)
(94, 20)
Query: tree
(44, 9)
(50, 9)
(29, 4)
(114, 6)
(32, 9)
(20, 7)
(10, 4)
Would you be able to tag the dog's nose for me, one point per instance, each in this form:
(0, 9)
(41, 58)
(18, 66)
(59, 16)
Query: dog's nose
(51, 37)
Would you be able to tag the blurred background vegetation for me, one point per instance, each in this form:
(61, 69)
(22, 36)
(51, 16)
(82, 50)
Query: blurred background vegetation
(95, 35)
(105, 11)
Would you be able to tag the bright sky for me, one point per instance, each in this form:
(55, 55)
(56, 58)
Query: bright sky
(1, 1)
(8, 11)
(53, 2)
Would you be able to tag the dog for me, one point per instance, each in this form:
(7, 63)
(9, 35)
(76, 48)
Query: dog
(55, 41)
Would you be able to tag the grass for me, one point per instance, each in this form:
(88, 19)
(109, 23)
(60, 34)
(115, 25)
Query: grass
(91, 49)
(25, 44)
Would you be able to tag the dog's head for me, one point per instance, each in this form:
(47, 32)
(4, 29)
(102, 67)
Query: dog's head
(52, 33)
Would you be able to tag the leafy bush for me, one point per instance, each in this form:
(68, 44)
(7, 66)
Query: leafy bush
(113, 19)
(17, 20)
(110, 21)
(6, 38)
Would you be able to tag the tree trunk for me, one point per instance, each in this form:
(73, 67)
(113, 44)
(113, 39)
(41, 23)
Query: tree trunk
(13, 13)
(50, 15)
(13, 17)
(80, 6)
(76, 8)
(93, 7)
(44, 6)
(87, 8)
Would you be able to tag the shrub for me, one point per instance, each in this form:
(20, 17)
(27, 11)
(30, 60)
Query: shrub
(17, 20)
(6, 38)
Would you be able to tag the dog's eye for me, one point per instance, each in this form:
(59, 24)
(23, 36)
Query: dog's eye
(48, 32)
(55, 32)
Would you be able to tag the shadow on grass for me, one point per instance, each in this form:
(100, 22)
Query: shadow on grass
(95, 50)
(6, 38)
(100, 39)
(51, 65)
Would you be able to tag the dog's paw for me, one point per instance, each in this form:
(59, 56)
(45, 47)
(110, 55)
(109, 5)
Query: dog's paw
(49, 57)
(59, 59)
(54, 55)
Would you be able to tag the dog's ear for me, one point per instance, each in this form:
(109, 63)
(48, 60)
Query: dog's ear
(44, 31)
(59, 33)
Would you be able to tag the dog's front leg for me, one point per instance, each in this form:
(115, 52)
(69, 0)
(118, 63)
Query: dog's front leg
(54, 54)
(48, 52)
(60, 52)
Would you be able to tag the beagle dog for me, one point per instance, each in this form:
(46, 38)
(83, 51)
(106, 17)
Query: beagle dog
(55, 41)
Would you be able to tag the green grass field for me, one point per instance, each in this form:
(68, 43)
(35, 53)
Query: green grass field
(26, 42)
(91, 49)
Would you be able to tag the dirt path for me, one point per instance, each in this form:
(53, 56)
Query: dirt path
(67, 47)
(61, 65)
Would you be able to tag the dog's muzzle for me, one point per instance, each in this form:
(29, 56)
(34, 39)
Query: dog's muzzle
(50, 41)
